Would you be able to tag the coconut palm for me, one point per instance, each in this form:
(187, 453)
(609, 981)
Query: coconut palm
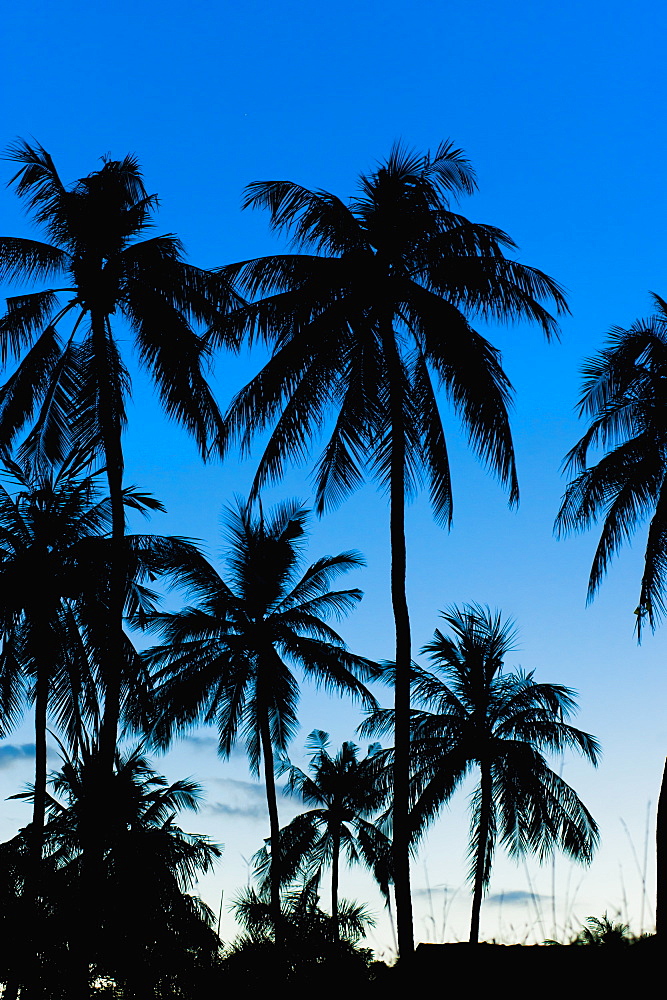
(53, 578)
(71, 372)
(54, 574)
(228, 658)
(474, 716)
(346, 793)
(361, 324)
(144, 916)
(624, 398)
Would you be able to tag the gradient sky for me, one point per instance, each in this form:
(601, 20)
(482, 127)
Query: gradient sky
(559, 107)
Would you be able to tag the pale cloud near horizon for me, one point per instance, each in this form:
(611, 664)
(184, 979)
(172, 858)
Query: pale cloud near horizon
(516, 897)
(10, 753)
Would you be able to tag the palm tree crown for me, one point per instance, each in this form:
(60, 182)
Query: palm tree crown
(624, 394)
(95, 227)
(375, 306)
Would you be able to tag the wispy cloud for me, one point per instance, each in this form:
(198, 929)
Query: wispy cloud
(239, 800)
(255, 810)
(516, 897)
(201, 742)
(11, 752)
(433, 890)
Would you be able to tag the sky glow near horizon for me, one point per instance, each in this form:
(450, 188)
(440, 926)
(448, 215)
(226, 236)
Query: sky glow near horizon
(558, 110)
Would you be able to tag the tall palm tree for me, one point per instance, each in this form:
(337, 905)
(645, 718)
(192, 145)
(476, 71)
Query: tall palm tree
(105, 272)
(474, 716)
(361, 322)
(346, 793)
(623, 396)
(228, 658)
(144, 917)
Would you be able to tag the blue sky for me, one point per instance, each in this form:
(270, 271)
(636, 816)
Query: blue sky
(560, 110)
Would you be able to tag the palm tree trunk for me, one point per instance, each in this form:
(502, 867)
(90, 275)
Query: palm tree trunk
(39, 798)
(335, 871)
(486, 789)
(109, 413)
(34, 888)
(401, 837)
(274, 827)
(661, 851)
(110, 407)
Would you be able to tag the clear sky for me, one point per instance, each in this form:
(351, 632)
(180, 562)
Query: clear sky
(560, 109)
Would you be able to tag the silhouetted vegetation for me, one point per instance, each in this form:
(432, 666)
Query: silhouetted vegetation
(345, 793)
(359, 324)
(364, 321)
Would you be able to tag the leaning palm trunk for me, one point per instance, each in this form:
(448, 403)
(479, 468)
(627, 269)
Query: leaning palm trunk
(482, 854)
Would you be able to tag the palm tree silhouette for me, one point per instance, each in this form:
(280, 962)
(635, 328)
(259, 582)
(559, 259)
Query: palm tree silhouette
(360, 324)
(227, 658)
(345, 792)
(55, 563)
(78, 384)
(472, 715)
(141, 846)
(314, 944)
(54, 570)
(624, 396)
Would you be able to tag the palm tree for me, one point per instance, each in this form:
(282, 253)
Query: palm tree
(361, 323)
(54, 574)
(345, 792)
(105, 271)
(226, 660)
(53, 563)
(472, 715)
(143, 915)
(623, 395)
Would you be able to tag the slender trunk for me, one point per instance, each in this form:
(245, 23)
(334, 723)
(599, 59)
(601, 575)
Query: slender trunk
(110, 406)
(661, 851)
(335, 866)
(274, 826)
(34, 891)
(485, 807)
(39, 798)
(401, 837)
(109, 414)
